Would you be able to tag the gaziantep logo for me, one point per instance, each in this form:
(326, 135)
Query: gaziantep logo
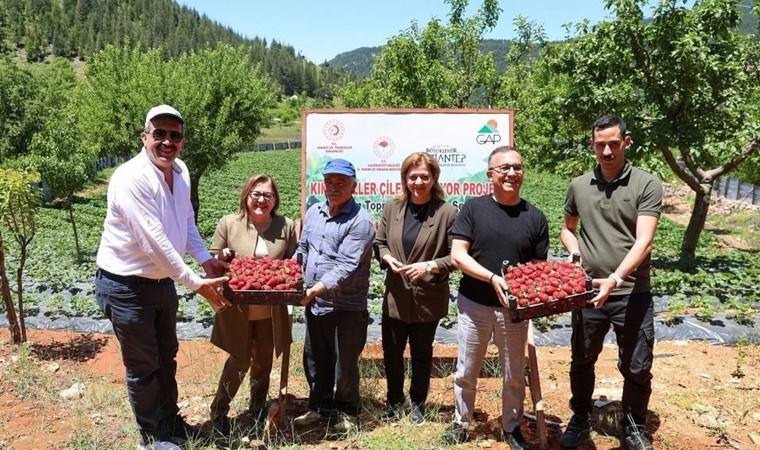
(333, 130)
(383, 147)
(489, 133)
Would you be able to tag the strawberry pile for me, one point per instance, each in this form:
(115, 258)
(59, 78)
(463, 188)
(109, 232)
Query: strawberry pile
(250, 273)
(543, 282)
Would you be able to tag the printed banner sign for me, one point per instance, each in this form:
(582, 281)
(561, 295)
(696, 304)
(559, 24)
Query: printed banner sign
(377, 141)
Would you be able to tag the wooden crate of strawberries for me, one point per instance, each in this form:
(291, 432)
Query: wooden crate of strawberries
(264, 281)
(545, 288)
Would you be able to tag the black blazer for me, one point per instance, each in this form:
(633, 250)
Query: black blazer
(426, 300)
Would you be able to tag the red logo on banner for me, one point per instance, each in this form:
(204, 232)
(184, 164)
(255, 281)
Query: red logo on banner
(333, 130)
(383, 147)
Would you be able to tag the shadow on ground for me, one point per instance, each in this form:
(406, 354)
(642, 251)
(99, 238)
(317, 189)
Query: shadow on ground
(81, 348)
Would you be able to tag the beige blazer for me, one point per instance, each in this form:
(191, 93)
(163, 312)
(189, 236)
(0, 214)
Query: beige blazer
(427, 300)
(230, 331)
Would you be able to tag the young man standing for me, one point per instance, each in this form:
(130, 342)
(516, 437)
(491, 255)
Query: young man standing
(619, 206)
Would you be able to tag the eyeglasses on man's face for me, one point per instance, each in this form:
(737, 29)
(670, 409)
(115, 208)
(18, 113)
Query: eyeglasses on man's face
(268, 196)
(505, 168)
(159, 134)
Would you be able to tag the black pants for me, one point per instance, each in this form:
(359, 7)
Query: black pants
(632, 319)
(332, 347)
(420, 337)
(144, 318)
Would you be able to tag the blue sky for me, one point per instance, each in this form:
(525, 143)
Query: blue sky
(320, 29)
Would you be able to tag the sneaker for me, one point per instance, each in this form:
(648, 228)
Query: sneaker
(455, 434)
(157, 444)
(344, 425)
(181, 431)
(418, 414)
(577, 430)
(393, 413)
(515, 440)
(310, 417)
(222, 425)
(635, 438)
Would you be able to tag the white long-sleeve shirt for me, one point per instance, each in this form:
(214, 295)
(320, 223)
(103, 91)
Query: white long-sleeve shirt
(149, 227)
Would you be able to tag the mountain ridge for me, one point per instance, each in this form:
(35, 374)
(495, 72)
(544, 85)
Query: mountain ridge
(359, 60)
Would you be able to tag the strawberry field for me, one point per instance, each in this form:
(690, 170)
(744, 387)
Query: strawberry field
(720, 284)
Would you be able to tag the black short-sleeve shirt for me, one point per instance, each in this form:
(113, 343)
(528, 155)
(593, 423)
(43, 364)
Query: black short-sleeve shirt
(496, 233)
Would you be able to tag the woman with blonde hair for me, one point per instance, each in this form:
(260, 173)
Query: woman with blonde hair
(414, 245)
(251, 333)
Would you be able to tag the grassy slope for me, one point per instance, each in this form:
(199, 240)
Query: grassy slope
(281, 133)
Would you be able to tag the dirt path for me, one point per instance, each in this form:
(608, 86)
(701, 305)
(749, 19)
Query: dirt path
(704, 396)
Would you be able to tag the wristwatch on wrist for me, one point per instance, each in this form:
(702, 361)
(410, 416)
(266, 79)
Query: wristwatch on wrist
(429, 267)
(618, 280)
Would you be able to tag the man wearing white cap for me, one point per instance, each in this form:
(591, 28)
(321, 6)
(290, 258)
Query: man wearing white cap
(149, 226)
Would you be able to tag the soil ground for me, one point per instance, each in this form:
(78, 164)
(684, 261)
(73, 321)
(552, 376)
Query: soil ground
(704, 397)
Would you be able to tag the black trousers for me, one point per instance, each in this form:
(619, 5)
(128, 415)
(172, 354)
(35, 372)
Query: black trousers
(333, 345)
(632, 319)
(420, 336)
(144, 317)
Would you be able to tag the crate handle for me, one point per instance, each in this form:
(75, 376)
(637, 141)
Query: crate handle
(504, 268)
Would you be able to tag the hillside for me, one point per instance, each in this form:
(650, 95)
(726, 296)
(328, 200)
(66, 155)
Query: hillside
(359, 61)
(76, 29)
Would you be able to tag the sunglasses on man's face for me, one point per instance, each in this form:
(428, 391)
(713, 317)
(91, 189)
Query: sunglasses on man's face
(159, 134)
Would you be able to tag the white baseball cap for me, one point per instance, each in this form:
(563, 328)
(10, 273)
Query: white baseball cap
(162, 110)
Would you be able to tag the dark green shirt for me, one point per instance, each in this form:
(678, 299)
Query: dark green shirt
(608, 213)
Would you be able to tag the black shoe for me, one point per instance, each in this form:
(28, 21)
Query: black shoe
(635, 438)
(344, 425)
(577, 430)
(222, 425)
(181, 431)
(418, 414)
(515, 440)
(258, 418)
(454, 434)
(393, 413)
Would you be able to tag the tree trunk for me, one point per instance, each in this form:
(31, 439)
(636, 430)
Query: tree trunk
(194, 200)
(696, 222)
(5, 288)
(70, 205)
(20, 291)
